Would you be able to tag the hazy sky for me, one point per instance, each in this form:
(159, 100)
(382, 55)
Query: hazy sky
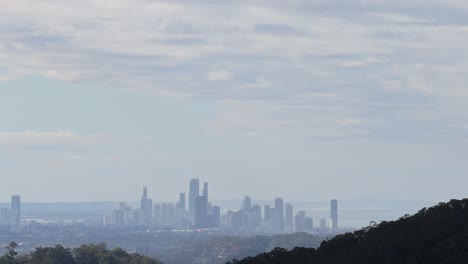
(303, 99)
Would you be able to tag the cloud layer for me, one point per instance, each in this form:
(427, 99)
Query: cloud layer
(320, 62)
(256, 89)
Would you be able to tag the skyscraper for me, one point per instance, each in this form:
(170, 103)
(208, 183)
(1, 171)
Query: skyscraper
(300, 221)
(266, 212)
(334, 214)
(143, 199)
(181, 204)
(201, 212)
(16, 208)
(288, 219)
(157, 214)
(205, 190)
(146, 207)
(194, 192)
(246, 204)
(181, 213)
(279, 215)
(214, 216)
(323, 224)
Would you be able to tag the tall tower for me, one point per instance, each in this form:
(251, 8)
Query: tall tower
(288, 219)
(279, 215)
(146, 207)
(205, 190)
(143, 199)
(181, 204)
(334, 214)
(246, 204)
(201, 212)
(194, 192)
(266, 212)
(16, 208)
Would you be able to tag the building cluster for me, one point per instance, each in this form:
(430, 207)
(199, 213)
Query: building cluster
(201, 214)
(278, 219)
(11, 216)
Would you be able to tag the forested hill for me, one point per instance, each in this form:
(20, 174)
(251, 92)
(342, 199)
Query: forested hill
(85, 254)
(435, 235)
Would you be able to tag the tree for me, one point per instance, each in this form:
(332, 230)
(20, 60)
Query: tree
(52, 255)
(9, 257)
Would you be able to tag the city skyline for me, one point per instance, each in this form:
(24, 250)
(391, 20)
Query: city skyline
(357, 213)
(247, 219)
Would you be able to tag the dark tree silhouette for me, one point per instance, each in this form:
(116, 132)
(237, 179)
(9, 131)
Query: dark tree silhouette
(431, 236)
(85, 254)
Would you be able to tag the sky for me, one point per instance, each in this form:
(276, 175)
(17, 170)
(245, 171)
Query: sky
(300, 99)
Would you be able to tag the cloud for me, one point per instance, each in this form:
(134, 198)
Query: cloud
(66, 145)
(62, 75)
(31, 137)
(219, 75)
(398, 54)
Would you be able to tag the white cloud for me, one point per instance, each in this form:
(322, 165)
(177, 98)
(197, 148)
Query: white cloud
(69, 145)
(296, 119)
(279, 51)
(40, 138)
(220, 75)
(62, 75)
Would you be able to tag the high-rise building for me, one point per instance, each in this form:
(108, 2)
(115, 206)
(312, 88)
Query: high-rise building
(205, 190)
(323, 224)
(309, 224)
(157, 215)
(16, 208)
(181, 204)
(201, 212)
(334, 214)
(279, 215)
(266, 213)
(214, 216)
(146, 207)
(246, 204)
(257, 209)
(300, 221)
(168, 215)
(181, 213)
(288, 218)
(194, 192)
(148, 214)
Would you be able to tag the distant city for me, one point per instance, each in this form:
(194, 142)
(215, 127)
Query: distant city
(11, 216)
(201, 214)
(193, 229)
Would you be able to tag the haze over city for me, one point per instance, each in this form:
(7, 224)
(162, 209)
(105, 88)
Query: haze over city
(304, 100)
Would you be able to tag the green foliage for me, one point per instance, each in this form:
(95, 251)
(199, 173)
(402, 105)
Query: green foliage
(435, 235)
(9, 257)
(85, 254)
(52, 255)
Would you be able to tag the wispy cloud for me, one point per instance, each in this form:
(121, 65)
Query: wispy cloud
(252, 52)
(31, 137)
(68, 145)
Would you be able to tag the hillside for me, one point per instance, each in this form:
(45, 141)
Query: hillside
(435, 235)
(218, 250)
(85, 254)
